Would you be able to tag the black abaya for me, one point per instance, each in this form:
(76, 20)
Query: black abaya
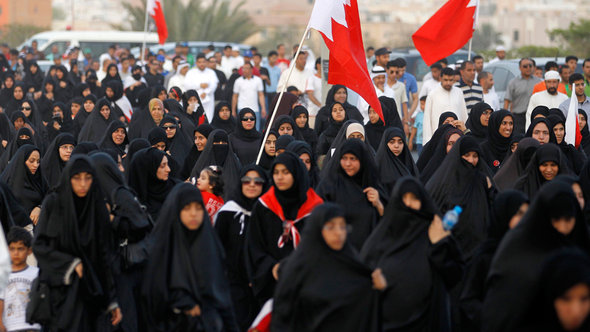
(435, 151)
(180, 144)
(96, 125)
(532, 179)
(228, 125)
(322, 121)
(246, 143)
(392, 167)
(496, 147)
(107, 140)
(473, 123)
(514, 166)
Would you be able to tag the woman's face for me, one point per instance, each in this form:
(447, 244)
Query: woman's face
(33, 69)
(65, 152)
(8, 83)
(162, 95)
(193, 100)
(484, 118)
(564, 225)
(549, 170)
(572, 308)
(448, 120)
(248, 121)
(192, 215)
(108, 91)
(513, 147)
(350, 164)
(356, 135)
(282, 178)
(301, 120)
(224, 113)
(306, 159)
(506, 126)
(163, 170)
(105, 111)
(59, 74)
(57, 112)
(252, 184)
(452, 139)
(49, 87)
(170, 129)
(340, 95)
(412, 201)
(33, 161)
(19, 123)
(471, 157)
(157, 113)
(113, 71)
(518, 215)
(26, 108)
(338, 113)
(118, 136)
(18, 93)
(582, 121)
(286, 129)
(579, 194)
(541, 133)
(559, 131)
(81, 183)
(334, 233)
(88, 106)
(200, 141)
(373, 116)
(270, 144)
(396, 146)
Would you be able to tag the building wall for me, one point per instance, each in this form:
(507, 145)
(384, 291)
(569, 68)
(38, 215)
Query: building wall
(31, 12)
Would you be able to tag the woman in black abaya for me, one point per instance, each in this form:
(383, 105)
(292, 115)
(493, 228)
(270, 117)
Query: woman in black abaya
(540, 129)
(218, 151)
(191, 292)
(497, 145)
(353, 183)
(149, 176)
(435, 151)
(310, 295)
(513, 167)
(394, 159)
(336, 119)
(339, 94)
(478, 121)
(135, 145)
(554, 220)
(112, 75)
(115, 137)
(199, 142)
(246, 140)
(270, 148)
(145, 120)
(231, 224)
(305, 153)
(57, 155)
(7, 89)
(300, 115)
(73, 248)
(420, 261)
(507, 210)
(545, 165)
(97, 122)
(192, 105)
(223, 119)
(276, 222)
(583, 116)
(575, 158)
(178, 143)
(285, 125)
(80, 119)
(17, 98)
(463, 179)
(23, 136)
(185, 123)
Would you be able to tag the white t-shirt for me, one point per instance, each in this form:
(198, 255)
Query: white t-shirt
(400, 96)
(314, 84)
(16, 298)
(247, 90)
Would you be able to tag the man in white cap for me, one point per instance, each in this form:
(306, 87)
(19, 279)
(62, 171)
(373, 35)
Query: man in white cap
(500, 54)
(379, 77)
(550, 97)
(178, 78)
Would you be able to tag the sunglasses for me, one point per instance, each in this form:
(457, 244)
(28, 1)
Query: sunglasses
(257, 180)
(249, 119)
(25, 108)
(169, 127)
(527, 66)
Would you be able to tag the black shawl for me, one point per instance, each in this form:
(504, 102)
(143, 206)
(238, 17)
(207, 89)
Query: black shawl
(13, 104)
(392, 167)
(35, 80)
(80, 118)
(301, 147)
(374, 131)
(308, 134)
(282, 119)
(322, 121)
(107, 140)
(246, 143)
(199, 112)
(585, 133)
(473, 123)
(444, 116)
(435, 151)
(16, 143)
(496, 147)
(532, 179)
(96, 125)
(513, 167)
(529, 132)
(542, 111)
(185, 121)
(52, 164)
(180, 144)
(266, 159)
(194, 153)
(11, 212)
(141, 123)
(575, 159)
(329, 133)
(194, 272)
(6, 93)
(309, 294)
(108, 77)
(135, 145)
(228, 125)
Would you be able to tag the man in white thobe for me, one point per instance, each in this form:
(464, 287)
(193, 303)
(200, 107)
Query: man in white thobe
(180, 76)
(549, 97)
(204, 81)
(379, 76)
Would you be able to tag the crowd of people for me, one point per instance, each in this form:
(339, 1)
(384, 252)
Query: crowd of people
(135, 199)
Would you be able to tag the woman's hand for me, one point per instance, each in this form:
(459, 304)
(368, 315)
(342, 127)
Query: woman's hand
(436, 232)
(35, 215)
(116, 316)
(379, 282)
(275, 271)
(79, 270)
(459, 125)
(194, 312)
(373, 197)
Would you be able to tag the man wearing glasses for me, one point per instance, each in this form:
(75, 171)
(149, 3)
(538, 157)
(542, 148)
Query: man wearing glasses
(519, 92)
(249, 93)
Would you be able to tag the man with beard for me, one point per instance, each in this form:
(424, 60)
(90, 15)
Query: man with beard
(550, 97)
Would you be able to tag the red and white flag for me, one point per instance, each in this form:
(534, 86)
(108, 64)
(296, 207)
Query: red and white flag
(572, 126)
(449, 29)
(339, 24)
(155, 10)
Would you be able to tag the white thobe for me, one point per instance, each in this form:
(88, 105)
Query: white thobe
(193, 80)
(439, 101)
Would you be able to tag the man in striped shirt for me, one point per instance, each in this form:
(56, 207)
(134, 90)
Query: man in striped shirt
(472, 92)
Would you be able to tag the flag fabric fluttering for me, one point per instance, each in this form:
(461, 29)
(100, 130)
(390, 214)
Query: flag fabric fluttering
(339, 24)
(572, 126)
(449, 29)
(156, 11)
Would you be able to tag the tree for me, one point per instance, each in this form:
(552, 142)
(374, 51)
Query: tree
(575, 38)
(484, 37)
(196, 21)
(14, 34)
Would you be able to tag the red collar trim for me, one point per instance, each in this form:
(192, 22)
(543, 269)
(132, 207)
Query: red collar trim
(269, 199)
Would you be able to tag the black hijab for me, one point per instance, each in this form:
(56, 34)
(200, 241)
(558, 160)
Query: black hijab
(200, 111)
(529, 132)
(16, 143)
(392, 167)
(228, 125)
(266, 159)
(324, 114)
(532, 179)
(496, 147)
(292, 198)
(301, 147)
(84, 148)
(194, 153)
(135, 145)
(308, 134)
(195, 272)
(52, 165)
(186, 123)
(14, 104)
(35, 80)
(282, 119)
(444, 116)
(585, 133)
(540, 110)
(238, 196)
(435, 151)
(514, 166)
(575, 159)
(320, 303)
(96, 125)
(333, 127)
(107, 140)
(479, 131)
(108, 77)
(246, 143)
(6, 93)
(180, 144)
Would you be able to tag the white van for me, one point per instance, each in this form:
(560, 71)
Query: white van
(97, 41)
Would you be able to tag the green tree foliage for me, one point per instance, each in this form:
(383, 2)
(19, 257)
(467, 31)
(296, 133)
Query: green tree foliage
(14, 34)
(576, 38)
(484, 37)
(196, 21)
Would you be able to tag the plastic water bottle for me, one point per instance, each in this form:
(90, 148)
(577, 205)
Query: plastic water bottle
(451, 218)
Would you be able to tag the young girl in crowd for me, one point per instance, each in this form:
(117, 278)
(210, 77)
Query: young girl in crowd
(210, 183)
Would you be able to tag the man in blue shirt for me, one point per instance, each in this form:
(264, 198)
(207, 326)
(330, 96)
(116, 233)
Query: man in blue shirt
(411, 89)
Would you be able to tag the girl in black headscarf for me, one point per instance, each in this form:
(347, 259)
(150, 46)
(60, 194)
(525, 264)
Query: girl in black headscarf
(219, 151)
(446, 118)
(185, 122)
(305, 153)
(145, 120)
(149, 176)
(545, 165)
(24, 177)
(23, 136)
(554, 220)
(497, 145)
(246, 140)
(87, 106)
(336, 119)
(7, 89)
(540, 129)
(34, 76)
(55, 158)
(73, 248)
(464, 180)
(478, 121)
(338, 93)
(584, 131)
(192, 292)
(514, 166)
(539, 112)
(45, 102)
(300, 115)
(97, 123)
(575, 158)
(199, 142)
(276, 222)
(191, 102)
(115, 137)
(309, 296)
(353, 183)
(61, 120)
(178, 143)
(564, 288)
(507, 210)
(419, 259)
(122, 109)
(112, 74)
(285, 125)
(63, 85)
(394, 159)
(135, 145)
(231, 224)
(17, 98)
(269, 153)
(223, 121)
(435, 151)
(131, 225)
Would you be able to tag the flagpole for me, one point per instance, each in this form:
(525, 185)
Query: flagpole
(469, 54)
(283, 89)
(145, 27)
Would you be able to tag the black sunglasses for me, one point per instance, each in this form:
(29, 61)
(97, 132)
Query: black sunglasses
(25, 108)
(249, 119)
(257, 180)
(169, 127)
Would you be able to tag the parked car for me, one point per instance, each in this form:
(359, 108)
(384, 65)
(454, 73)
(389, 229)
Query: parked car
(417, 66)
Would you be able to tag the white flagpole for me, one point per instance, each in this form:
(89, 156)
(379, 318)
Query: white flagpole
(283, 89)
(469, 54)
(145, 28)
